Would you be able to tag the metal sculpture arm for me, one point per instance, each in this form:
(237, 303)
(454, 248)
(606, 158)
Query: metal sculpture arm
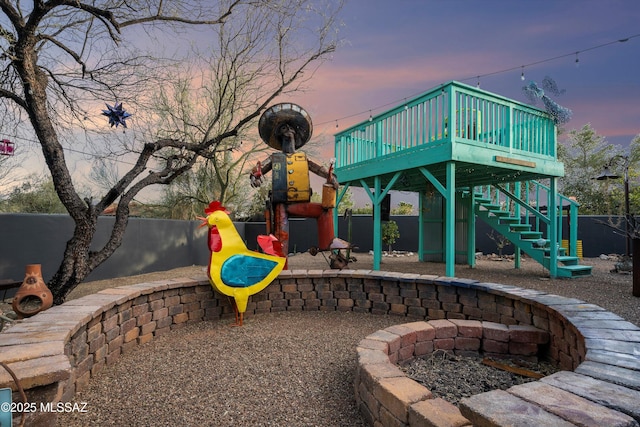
(259, 169)
(324, 173)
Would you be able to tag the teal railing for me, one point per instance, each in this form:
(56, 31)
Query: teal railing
(477, 117)
(531, 200)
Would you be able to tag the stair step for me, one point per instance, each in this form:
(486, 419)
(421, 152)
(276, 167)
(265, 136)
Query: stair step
(491, 206)
(530, 235)
(483, 201)
(561, 251)
(509, 220)
(529, 241)
(568, 261)
(577, 268)
(499, 213)
(480, 198)
(574, 270)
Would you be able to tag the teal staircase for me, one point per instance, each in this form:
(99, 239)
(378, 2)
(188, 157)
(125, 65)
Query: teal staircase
(501, 208)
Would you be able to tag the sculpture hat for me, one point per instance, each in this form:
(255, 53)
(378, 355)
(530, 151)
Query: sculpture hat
(285, 113)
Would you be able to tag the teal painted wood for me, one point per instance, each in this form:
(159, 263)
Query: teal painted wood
(456, 137)
(471, 231)
(339, 197)
(376, 196)
(450, 220)
(553, 227)
(534, 195)
(453, 113)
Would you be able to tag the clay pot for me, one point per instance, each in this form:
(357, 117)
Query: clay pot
(33, 296)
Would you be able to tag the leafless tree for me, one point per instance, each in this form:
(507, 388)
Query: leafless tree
(58, 58)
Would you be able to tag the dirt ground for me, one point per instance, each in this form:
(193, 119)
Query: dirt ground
(612, 291)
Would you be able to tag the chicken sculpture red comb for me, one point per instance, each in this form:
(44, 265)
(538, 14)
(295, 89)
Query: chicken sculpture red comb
(215, 206)
(215, 242)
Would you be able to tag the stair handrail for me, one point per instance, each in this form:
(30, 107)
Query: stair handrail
(524, 204)
(572, 212)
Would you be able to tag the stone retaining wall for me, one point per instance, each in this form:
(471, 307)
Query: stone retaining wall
(387, 397)
(55, 353)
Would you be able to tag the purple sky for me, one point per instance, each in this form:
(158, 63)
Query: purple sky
(398, 49)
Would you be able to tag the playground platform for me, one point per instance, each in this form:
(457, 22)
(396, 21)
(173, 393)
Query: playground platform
(468, 153)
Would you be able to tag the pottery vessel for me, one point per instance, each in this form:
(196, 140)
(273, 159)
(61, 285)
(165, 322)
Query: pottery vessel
(33, 296)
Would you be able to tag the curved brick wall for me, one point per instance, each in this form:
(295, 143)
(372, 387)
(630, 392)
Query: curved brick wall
(387, 397)
(55, 353)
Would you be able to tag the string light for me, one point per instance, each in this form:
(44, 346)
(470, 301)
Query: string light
(623, 40)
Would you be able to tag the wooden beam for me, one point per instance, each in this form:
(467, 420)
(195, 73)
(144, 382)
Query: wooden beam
(517, 162)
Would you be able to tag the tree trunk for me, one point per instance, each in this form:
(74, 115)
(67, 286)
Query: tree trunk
(76, 262)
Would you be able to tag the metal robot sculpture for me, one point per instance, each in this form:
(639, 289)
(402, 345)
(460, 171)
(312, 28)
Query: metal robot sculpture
(287, 127)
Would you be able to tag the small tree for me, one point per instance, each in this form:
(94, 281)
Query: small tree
(61, 58)
(584, 154)
(390, 233)
(500, 241)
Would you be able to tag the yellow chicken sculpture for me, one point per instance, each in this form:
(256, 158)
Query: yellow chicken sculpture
(234, 270)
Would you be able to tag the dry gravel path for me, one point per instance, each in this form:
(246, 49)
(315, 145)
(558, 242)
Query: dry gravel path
(284, 369)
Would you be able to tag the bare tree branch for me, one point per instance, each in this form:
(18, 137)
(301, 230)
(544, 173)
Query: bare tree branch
(59, 58)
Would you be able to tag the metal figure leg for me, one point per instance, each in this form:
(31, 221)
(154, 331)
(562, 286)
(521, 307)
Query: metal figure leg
(281, 227)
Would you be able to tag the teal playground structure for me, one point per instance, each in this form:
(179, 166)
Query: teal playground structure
(468, 153)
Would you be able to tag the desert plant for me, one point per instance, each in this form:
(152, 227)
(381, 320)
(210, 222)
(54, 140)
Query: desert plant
(500, 241)
(390, 233)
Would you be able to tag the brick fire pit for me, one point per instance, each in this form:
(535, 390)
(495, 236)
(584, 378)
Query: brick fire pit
(56, 352)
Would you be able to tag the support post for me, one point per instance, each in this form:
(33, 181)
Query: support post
(421, 208)
(553, 227)
(341, 194)
(573, 229)
(450, 220)
(471, 230)
(377, 224)
(517, 256)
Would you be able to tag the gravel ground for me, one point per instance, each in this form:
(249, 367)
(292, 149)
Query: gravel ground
(473, 376)
(211, 374)
(293, 369)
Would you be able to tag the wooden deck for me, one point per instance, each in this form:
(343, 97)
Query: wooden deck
(495, 140)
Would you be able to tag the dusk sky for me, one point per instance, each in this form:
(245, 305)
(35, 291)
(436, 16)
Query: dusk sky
(395, 50)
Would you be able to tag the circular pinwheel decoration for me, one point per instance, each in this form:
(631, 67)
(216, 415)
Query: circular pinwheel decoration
(117, 115)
